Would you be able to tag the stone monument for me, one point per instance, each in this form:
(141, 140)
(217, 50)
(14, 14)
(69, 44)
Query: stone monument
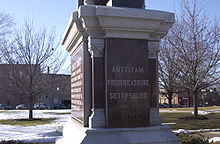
(114, 89)
(96, 2)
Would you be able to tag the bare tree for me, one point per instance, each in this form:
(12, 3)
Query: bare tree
(35, 51)
(6, 23)
(168, 79)
(195, 38)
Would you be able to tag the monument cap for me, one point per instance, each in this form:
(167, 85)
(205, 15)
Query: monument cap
(127, 3)
(117, 3)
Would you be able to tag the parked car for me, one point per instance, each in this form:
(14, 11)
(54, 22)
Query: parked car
(60, 106)
(41, 106)
(162, 106)
(177, 106)
(166, 104)
(5, 107)
(22, 107)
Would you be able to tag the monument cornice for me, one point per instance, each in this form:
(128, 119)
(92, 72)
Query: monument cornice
(113, 22)
(73, 34)
(126, 22)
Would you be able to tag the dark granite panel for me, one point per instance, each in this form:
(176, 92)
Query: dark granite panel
(127, 83)
(80, 2)
(129, 3)
(98, 82)
(153, 83)
(87, 84)
(97, 2)
(77, 84)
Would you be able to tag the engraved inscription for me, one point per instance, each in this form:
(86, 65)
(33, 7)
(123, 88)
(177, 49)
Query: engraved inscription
(128, 69)
(131, 96)
(77, 92)
(123, 83)
(127, 83)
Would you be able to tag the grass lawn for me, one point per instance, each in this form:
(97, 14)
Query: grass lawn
(9, 111)
(26, 122)
(19, 142)
(191, 108)
(212, 122)
(57, 113)
(206, 135)
(14, 142)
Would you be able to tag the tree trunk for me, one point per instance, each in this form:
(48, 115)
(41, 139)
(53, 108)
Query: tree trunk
(195, 103)
(170, 97)
(30, 108)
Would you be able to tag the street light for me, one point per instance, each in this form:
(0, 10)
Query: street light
(203, 97)
(56, 100)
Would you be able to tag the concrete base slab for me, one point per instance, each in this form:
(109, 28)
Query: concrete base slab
(97, 118)
(154, 117)
(75, 134)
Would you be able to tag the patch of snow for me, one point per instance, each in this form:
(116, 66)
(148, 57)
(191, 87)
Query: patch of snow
(40, 133)
(205, 130)
(183, 111)
(168, 123)
(203, 112)
(53, 131)
(173, 111)
(214, 111)
(214, 139)
(182, 131)
(167, 110)
(195, 131)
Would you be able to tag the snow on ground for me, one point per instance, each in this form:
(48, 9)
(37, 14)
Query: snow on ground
(203, 112)
(184, 111)
(40, 133)
(53, 131)
(174, 111)
(185, 131)
(214, 139)
(181, 131)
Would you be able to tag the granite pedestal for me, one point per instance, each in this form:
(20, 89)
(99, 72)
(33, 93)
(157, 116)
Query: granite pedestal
(114, 92)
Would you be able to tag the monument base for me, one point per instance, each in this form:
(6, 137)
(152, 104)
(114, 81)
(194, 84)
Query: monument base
(73, 133)
(154, 117)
